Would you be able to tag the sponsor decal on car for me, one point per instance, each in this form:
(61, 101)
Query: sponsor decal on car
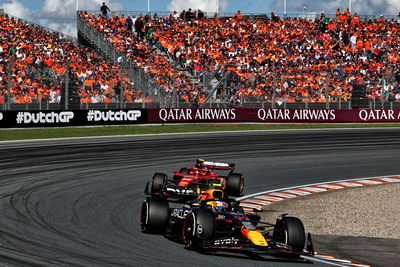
(226, 241)
(179, 213)
(178, 191)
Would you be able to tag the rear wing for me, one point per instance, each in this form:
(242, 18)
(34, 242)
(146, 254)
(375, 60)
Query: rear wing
(219, 165)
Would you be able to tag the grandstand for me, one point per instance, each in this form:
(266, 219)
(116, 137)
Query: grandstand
(182, 60)
(43, 69)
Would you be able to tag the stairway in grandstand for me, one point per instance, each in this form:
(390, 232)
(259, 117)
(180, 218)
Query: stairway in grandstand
(180, 66)
(90, 36)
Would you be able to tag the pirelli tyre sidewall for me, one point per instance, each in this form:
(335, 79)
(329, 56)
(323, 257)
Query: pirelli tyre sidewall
(235, 184)
(290, 231)
(154, 215)
(198, 227)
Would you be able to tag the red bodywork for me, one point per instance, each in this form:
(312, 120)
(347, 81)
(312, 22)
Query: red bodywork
(197, 175)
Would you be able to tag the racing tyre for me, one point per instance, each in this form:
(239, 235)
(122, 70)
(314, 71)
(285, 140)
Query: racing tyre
(154, 215)
(159, 180)
(290, 231)
(198, 227)
(235, 184)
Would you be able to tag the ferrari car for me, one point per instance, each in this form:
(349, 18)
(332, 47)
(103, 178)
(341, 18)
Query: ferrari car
(188, 183)
(214, 222)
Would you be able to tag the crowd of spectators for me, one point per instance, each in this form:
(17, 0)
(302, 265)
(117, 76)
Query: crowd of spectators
(37, 61)
(259, 58)
(137, 38)
(314, 60)
(288, 60)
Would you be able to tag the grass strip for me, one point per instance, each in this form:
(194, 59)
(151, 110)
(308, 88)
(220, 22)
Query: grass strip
(41, 133)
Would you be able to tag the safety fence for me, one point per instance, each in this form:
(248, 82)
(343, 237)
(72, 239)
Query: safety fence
(211, 14)
(44, 106)
(32, 86)
(92, 117)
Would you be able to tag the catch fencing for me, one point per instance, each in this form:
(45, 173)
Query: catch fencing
(287, 15)
(320, 90)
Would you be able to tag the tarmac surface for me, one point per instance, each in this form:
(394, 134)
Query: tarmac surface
(76, 201)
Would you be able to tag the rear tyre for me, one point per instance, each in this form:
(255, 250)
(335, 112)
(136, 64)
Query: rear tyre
(154, 215)
(290, 231)
(235, 184)
(198, 227)
(159, 180)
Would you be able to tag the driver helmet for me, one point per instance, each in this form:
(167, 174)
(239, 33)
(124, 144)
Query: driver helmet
(219, 206)
(200, 163)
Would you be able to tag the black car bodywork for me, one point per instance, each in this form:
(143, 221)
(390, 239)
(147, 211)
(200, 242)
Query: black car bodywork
(199, 227)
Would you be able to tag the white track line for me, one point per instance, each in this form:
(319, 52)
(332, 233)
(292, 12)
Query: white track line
(323, 184)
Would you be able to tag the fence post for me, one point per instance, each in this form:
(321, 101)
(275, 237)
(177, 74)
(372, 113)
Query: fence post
(121, 87)
(66, 87)
(9, 84)
(274, 88)
(328, 76)
(174, 97)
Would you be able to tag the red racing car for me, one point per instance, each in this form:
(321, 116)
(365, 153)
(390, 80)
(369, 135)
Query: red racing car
(188, 183)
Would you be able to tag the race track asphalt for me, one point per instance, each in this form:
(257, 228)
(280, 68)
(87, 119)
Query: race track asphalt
(76, 201)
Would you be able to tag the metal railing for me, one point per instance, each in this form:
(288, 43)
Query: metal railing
(142, 81)
(306, 15)
(372, 104)
(30, 23)
(278, 90)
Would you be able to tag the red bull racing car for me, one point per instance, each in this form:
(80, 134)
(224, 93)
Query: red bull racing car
(188, 183)
(214, 222)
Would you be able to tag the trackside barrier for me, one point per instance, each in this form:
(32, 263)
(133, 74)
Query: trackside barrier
(188, 115)
(57, 118)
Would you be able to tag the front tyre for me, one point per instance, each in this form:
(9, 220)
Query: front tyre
(290, 231)
(198, 227)
(154, 215)
(158, 182)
